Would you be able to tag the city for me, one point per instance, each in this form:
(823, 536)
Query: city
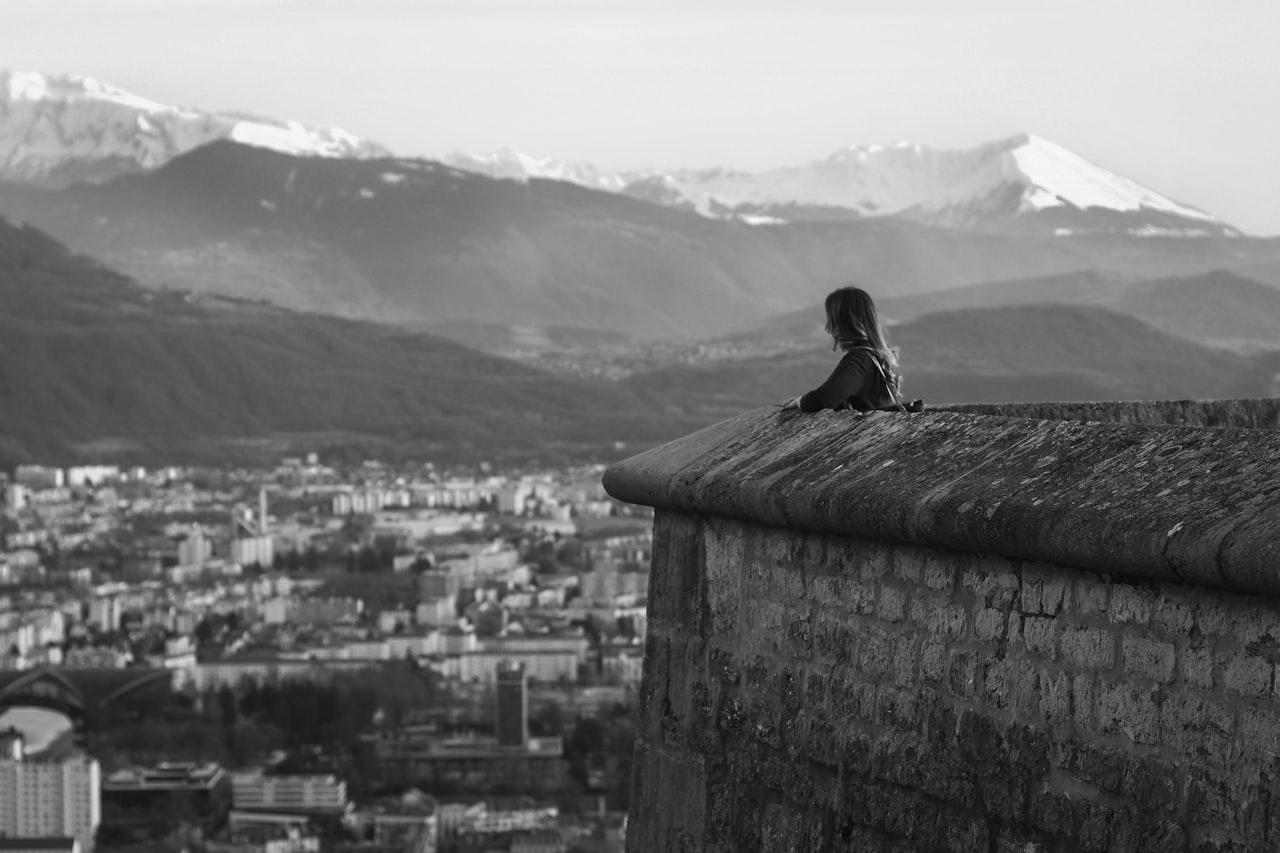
(318, 658)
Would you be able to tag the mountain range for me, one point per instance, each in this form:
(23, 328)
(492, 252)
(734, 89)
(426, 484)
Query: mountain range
(1219, 309)
(169, 288)
(416, 242)
(92, 365)
(57, 130)
(1024, 184)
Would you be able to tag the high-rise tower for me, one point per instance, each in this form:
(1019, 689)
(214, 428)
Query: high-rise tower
(513, 705)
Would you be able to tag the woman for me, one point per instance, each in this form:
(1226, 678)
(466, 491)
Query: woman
(867, 376)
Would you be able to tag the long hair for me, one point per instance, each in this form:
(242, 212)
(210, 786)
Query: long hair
(852, 321)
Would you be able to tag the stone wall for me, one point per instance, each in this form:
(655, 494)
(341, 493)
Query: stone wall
(1236, 414)
(844, 659)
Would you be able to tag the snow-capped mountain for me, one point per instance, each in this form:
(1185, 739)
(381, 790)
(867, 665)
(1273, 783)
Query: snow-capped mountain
(1020, 183)
(1022, 176)
(58, 129)
(513, 165)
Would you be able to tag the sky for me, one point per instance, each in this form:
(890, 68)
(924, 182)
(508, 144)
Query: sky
(1177, 94)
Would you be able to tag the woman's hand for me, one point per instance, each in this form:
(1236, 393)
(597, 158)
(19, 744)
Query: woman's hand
(788, 409)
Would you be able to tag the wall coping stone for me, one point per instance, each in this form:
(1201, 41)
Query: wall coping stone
(1256, 413)
(1178, 503)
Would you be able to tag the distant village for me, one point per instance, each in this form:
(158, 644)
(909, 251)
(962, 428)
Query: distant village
(366, 658)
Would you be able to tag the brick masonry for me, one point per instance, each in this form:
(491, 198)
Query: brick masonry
(811, 691)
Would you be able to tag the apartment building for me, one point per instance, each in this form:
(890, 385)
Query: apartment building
(54, 798)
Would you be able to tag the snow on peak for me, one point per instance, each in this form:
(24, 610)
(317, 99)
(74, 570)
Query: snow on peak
(517, 166)
(1056, 177)
(1018, 175)
(60, 128)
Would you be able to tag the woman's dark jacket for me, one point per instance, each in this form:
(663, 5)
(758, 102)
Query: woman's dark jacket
(858, 382)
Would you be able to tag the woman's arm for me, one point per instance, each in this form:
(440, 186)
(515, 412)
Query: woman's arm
(849, 377)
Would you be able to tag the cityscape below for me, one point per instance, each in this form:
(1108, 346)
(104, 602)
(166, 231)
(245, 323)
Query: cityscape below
(367, 659)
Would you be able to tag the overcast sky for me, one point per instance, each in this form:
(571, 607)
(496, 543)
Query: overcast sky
(1178, 94)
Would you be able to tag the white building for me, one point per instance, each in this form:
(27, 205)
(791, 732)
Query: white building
(195, 550)
(15, 496)
(288, 793)
(253, 549)
(39, 476)
(48, 799)
(437, 612)
(84, 475)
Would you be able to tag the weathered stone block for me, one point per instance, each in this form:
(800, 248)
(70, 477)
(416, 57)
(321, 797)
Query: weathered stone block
(898, 709)
(940, 575)
(815, 690)
(989, 624)
(1055, 697)
(908, 563)
(962, 674)
(833, 641)
(1255, 626)
(779, 829)
(766, 621)
(1129, 710)
(1131, 604)
(676, 586)
(1096, 764)
(1088, 648)
(992, 581)
(724, 558)
(1174, 613)
(732, 715)
(799, 633)
(856, 753)
(1083, 699)
(964, 835)
(1148, 658)
(1039, 635)
(1011, 684)
(906, 655)
(1196, 668)
(1211, 617)
(933, 660)
(789, 688)
(875, 653)
(671, 791)
(939, 617)
(1152, 784)
(1092, 593)
(978, 737)
(893, 604)
(1252, 676)
(764, 720)
(1259, 732)
(1044, 589)
(1201, 728)
(1165, 836)
(852, 700)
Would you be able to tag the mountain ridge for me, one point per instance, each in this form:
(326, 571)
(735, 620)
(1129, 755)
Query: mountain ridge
(62, 129)
(1022, 181)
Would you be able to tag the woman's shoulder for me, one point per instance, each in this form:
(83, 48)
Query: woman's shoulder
(861, 354)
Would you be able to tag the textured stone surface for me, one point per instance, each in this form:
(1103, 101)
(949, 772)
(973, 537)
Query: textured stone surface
(1161, 502)
(921, 714)
(1215, 414)
(868, 634)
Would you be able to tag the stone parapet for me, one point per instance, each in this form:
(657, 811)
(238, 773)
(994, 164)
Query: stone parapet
(957, 632)
(1168, 502)
(1214, 414)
